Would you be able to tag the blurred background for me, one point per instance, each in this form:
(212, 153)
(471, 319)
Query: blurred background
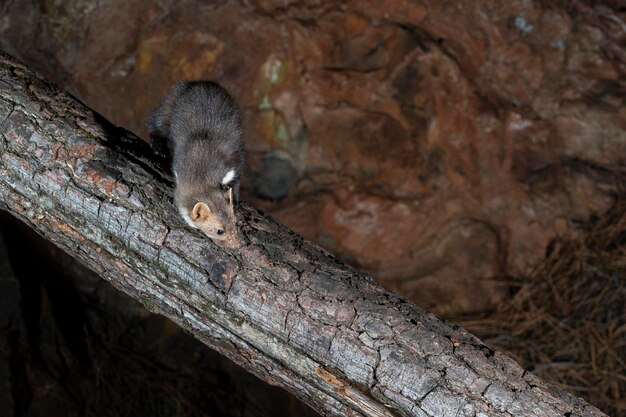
(470, 155)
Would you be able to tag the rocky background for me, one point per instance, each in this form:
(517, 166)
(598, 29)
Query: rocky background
(438, 145)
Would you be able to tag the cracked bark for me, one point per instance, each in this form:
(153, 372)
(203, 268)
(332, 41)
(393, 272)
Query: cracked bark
(280, 306)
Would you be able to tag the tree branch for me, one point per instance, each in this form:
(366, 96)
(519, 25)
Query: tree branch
(281, 307)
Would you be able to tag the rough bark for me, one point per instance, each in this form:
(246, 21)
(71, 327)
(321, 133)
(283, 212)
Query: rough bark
(280, 306)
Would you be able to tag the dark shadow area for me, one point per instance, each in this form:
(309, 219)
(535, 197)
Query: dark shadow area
(72, 345)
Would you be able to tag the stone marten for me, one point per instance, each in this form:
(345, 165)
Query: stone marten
(202, 125)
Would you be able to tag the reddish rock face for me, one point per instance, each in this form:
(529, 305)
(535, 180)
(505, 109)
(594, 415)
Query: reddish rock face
(437, 145)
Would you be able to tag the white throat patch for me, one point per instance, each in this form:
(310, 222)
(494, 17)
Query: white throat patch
(230, 175)
(187, 218)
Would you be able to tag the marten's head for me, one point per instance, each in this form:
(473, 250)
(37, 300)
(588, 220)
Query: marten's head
(212, 212)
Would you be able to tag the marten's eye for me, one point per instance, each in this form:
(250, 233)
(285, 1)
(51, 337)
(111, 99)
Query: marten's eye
(220, 232)
(225, 187)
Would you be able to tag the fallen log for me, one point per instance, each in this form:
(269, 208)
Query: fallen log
(280, 306)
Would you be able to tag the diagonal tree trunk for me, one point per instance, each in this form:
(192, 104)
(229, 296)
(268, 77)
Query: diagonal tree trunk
(281, 307)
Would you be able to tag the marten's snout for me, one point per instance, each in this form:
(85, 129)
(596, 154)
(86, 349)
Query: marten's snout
(227, 235)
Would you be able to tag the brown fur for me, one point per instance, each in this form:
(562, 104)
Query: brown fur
(202, 125)
(209, 222)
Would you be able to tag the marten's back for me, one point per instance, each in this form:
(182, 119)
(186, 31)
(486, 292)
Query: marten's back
(202, 124)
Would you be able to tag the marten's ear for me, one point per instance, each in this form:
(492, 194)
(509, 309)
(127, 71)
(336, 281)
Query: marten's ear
(200, 212)
(231, 202)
